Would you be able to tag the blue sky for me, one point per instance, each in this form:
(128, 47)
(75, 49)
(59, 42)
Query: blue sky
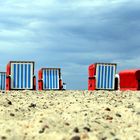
(71, 34)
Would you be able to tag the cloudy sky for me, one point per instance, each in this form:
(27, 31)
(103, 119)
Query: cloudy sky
(71, 34)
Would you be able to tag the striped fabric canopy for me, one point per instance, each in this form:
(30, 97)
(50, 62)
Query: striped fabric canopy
(51, 78)
(22, 75)
(105, 76)
(2, 80)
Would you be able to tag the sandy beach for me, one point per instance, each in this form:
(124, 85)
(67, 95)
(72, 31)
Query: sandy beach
(70, 115)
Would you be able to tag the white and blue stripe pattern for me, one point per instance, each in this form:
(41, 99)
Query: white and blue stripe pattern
(50, 78)
(105, 76)
(21, 75)
(2, 80)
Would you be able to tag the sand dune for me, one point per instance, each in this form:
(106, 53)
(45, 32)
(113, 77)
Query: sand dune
(69, 115)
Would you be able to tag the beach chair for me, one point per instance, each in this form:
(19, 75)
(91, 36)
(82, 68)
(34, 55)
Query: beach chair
(20, 75)
(101, 76)
(50, 79)
(2, 80)
(130, 79)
